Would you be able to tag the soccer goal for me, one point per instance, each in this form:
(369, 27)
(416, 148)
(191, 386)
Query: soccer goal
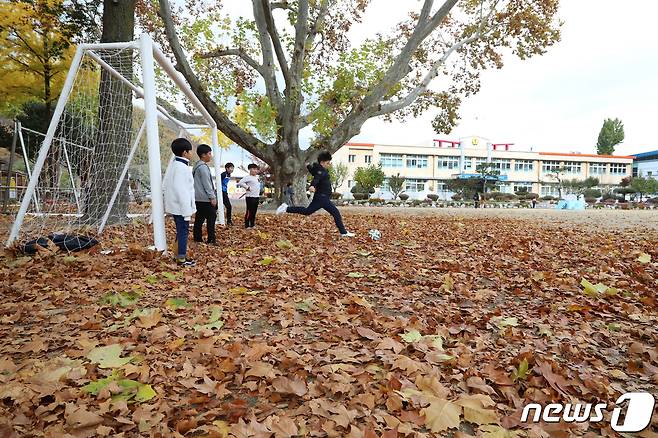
(103, 158)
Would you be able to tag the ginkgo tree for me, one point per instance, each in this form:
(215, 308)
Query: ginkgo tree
(36, 48)
(34, 55)
(292, 67)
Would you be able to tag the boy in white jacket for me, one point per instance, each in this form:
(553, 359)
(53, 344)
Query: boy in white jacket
(178, 187)
(252, 184)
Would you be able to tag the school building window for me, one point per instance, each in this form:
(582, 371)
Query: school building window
(502, 164)
(391, 160)
(414, 185)
(468, 163)
(368, 159)
(522, 187)
(550, 167)
(351, 158)
(417, 161)
(524, 165)
(350, 183)
(549, 190)
(479, 162)
(448, 162)
(597, 168)
(617, 169)
(572, 167)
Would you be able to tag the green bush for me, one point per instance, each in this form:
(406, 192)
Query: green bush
(457, 197)
(359, 196)
(489, 196)
(590, 200)
(336, 195)
(526, 196)
(360, 189)
(433, 197)
(592, 193)
(504, 196)
(548, 198)
(404, 196)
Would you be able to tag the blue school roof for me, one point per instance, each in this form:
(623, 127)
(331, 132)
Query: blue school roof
(644, 156)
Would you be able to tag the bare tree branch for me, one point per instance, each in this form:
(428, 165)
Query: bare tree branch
(433, 72)
(317, 24)
(240, 53)
(424, 85)
(351, 124)
(280, 5)
(224, 124)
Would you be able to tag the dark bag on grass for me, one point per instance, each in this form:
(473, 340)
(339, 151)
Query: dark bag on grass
(67, 242)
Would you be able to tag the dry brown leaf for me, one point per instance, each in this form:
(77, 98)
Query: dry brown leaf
(441, 415)
(290, 386)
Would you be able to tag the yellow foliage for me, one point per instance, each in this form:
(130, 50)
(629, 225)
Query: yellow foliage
(34, 56)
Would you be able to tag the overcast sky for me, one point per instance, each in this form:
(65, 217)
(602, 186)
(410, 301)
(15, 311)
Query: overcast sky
(606, 65)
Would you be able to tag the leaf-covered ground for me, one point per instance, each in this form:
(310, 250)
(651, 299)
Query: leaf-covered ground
(447, 326)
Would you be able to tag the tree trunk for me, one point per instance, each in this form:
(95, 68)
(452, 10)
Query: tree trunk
(289, 167)
(115, 130)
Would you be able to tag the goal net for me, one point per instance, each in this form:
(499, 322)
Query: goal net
(102, 161)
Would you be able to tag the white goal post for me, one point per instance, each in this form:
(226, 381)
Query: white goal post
(52, 151)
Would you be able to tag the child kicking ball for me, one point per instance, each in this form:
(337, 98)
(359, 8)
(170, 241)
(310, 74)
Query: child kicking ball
(321, 189)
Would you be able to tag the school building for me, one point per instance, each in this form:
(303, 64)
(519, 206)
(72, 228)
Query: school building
(427, 168)
(646, 164)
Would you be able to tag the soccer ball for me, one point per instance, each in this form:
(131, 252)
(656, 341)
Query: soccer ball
(375, 234)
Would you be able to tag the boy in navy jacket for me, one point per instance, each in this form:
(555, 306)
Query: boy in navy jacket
(321, 189)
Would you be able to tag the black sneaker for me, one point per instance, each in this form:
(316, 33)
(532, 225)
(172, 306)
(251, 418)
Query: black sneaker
(186, 262)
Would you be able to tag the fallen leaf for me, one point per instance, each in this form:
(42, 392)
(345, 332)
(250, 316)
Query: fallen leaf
(290, 386)
(412, 336)
(475, 409)
(441, 415)
(108, 356)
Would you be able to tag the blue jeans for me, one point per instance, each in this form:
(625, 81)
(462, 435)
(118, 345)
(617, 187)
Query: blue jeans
(321, 201)
(182, 232)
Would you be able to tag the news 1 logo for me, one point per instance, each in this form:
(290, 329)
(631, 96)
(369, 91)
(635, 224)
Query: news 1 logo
(638, 412)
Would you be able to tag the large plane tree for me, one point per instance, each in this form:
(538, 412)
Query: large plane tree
(291, 67)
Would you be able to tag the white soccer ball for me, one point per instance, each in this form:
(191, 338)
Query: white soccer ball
(375, 234)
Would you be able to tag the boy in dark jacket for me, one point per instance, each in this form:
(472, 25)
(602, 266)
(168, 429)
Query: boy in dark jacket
(321, 189)
(226, 177)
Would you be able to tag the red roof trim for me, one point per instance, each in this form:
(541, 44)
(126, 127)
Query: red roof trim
(368, 145)
(563, 154)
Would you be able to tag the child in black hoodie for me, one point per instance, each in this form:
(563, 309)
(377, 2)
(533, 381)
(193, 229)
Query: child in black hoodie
(321, 189)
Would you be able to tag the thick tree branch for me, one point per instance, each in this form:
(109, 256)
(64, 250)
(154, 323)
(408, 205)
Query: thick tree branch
(276, 40)
(268, 65)
(301, 31)
(224, 124)
(425, 12)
